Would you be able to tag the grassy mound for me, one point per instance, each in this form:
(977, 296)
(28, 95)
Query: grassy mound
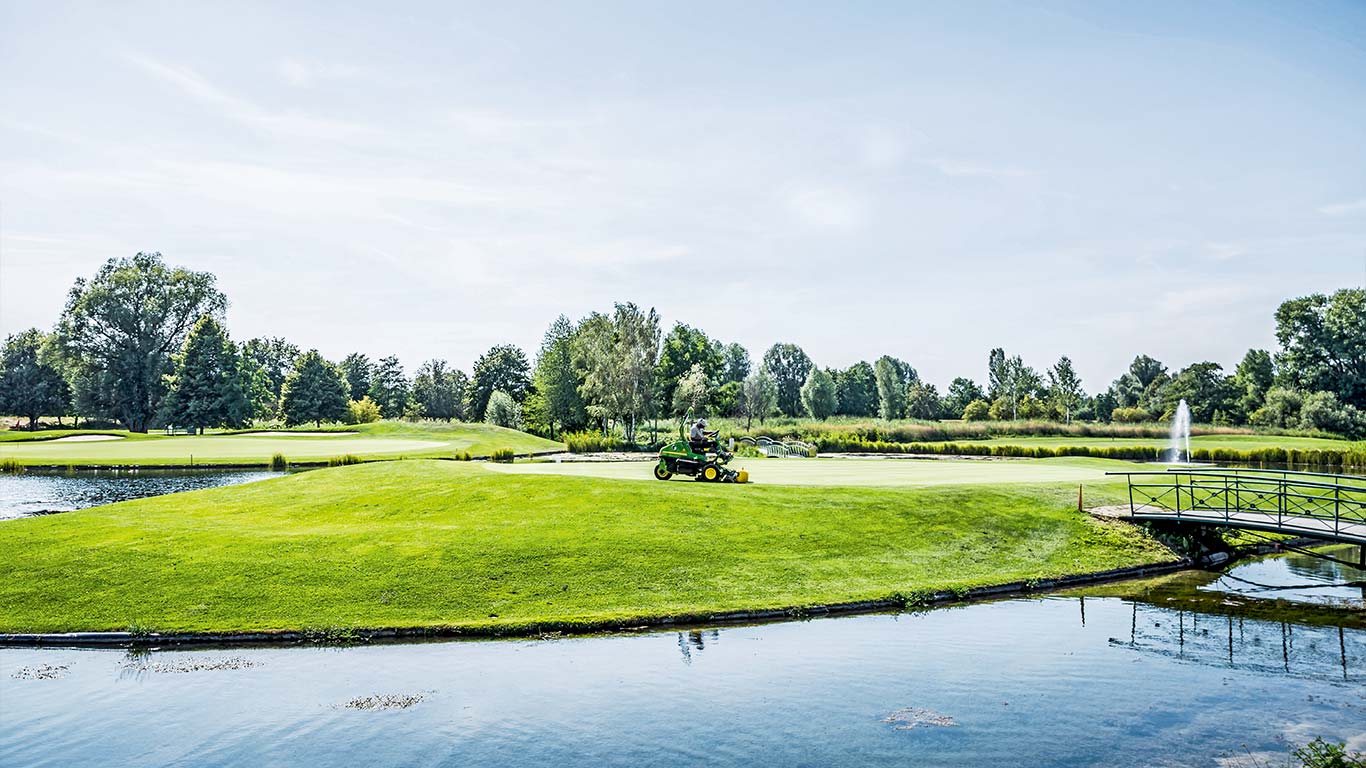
(386, 439)
(425, 543)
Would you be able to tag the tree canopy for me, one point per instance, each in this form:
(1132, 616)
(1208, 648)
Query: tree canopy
(120, 328)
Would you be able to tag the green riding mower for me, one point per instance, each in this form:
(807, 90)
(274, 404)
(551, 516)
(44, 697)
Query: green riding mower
(707, 463)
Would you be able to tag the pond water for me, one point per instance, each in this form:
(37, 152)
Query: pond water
(1173, 671)
(42, 492)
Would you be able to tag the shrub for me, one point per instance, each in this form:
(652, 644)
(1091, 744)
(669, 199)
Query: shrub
(977, 410)
(464, 456)
(1323, 410)
(342, 461)
(503, 411)
(1130, 415)
(278, 462)
(502, 455)
(363, 411)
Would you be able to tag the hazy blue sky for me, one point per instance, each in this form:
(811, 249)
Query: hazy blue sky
(860, 178)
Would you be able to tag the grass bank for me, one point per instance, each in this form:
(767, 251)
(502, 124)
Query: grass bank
(455, 545)
(381, 440)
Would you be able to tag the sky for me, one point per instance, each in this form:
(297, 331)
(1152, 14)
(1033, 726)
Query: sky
(865, 178)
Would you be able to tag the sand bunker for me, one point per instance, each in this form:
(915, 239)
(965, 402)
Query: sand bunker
(86, 438)
(283, 433)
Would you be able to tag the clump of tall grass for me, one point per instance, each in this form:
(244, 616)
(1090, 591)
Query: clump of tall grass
(10, 466)
(279, 463)
(464, 456)
(502, 455)
(342, 461)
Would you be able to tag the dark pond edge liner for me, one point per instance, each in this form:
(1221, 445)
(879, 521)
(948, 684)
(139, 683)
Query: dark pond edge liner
(346, 636)
(264, 465)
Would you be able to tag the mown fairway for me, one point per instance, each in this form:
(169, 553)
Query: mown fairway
(428, 543)
(380, 440)
(868, 472)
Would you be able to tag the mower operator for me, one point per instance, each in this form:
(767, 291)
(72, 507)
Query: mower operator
(699, 438)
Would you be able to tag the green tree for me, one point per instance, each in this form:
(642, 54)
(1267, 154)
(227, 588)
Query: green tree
(725, 399)
(207, 388)
(1323, 411)
(1016, 381)
(693, 390)
(314, 391)
(684, 347)
(961, 392)
(503, 410)
(788, 366)
(389, 388)
(1205, 389)
(1064, 388)
(31, 385)
(893, 377)
(555, 379)
(363, 411)
(922, 401)
(996, 372)
(1323, 344)
(819, 397)
(617, 356)
(977, 410)
(120, 328)
(759, 398)
(437, 391)
(736, 363)
(356, 370)
(1253, 377)
(1280, 408)
(504, 367)
(857, 390)
(274, 359)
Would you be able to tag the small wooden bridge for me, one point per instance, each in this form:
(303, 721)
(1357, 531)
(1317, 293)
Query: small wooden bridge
(1310, 504)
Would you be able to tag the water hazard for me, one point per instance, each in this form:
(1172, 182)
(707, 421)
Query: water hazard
(41, 492)
(1173, 671)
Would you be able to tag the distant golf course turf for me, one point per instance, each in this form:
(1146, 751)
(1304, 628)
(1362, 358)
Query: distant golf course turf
(382, 440)
(453, 545)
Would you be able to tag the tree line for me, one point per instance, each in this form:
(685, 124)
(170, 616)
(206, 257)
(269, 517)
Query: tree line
(143, 344)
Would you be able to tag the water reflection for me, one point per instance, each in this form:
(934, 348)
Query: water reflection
(1056, 681)
(1237, 642)
(43, 492)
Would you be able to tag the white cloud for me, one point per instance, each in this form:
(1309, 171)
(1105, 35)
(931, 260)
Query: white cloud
(1224, 251)
(305, 74)
(241, 110)
(826, 208)
(1349, 208)
(957, 167)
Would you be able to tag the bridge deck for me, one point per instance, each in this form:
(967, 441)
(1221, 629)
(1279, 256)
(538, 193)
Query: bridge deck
(1316, 527)
(1329, 507)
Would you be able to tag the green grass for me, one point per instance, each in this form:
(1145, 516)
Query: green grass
(450, 544)
(864, 472)
(382, 440)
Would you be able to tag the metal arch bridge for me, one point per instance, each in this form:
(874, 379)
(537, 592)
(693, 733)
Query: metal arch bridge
(781, 448)
(1309, 504)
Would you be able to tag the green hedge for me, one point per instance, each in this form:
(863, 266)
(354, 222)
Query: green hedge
(1317, 457)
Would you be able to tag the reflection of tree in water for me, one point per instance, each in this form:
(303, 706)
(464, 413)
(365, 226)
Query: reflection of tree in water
(695, 641)
(1237, 642)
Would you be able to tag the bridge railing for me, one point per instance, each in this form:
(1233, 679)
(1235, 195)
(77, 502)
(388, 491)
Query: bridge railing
(1308, 503)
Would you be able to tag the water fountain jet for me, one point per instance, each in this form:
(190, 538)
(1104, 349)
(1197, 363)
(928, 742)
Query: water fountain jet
(1180, 434)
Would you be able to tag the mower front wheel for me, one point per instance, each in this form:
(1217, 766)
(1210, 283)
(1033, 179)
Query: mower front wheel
(662, 471)
(711, 473)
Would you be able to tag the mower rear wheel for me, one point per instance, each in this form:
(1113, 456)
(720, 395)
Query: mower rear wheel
(662, 471)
